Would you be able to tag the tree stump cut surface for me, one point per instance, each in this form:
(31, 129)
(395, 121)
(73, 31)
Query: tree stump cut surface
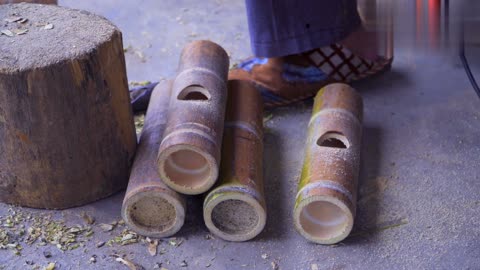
(66, 130)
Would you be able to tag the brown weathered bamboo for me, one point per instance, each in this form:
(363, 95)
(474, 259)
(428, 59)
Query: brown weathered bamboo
(326, 199)
(235, 210)
(189, 155)
(150, 207)
(66, 127)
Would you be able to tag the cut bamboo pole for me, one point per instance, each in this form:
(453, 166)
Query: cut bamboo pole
(235, 210)
(66, 126)
(326, 199)
(189, 154)
(150, 207)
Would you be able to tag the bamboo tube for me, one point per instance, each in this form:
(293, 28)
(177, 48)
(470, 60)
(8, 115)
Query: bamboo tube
(189, 154)
(150, 207)
(325, 203)
(235, 210)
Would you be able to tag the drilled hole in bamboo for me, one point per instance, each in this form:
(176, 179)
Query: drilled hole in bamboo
(194, 92)
(323, 220)
(234, 217)
(187, 168)
(334, 140)
(153, 213)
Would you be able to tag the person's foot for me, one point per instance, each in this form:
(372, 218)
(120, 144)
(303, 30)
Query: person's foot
(285, 80)
(362, 43)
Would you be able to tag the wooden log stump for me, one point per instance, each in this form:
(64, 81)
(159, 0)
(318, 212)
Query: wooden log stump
(66, 129)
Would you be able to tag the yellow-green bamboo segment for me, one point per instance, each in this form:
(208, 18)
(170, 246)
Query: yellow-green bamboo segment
(325, 203)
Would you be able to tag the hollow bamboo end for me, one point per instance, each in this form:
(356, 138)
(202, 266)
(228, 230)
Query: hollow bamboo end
(205, 54)
(153, 213)
(234, 216)
(187, 169)
(339, 96)
(323, 219)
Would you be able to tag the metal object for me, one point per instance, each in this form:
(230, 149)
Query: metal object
(326, 199)
(150, 207)
(461, 47)
(235, 210)
(189, 155)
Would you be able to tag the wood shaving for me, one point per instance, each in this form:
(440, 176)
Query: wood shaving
(175, 241)
(20, 31)
(126, 237)
(152, 246)
(50, 266)
(87, 218)
(140, 83)
(106, 227)
(7, 32)
(13, 19)
(209, 237)
(129, 264)
(48, 26)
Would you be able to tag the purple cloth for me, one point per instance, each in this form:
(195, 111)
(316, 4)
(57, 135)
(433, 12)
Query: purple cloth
(285, 27)
(140, 96)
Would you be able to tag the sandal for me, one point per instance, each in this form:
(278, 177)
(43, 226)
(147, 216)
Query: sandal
(282, 83)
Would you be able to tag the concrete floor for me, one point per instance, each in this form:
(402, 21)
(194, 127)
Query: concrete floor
(419, 203)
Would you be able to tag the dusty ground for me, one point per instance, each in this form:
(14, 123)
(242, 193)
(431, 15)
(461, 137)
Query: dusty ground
(419, 203)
